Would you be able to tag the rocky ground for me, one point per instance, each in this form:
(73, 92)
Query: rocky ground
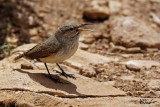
(117, 64)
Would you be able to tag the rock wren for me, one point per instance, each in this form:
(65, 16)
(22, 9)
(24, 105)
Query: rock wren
(57, 48)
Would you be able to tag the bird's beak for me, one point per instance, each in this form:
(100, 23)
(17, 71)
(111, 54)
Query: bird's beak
(81, 25)
(82, 29)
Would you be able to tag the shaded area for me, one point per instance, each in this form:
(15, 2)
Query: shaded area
(12, 103)
(17, 18)
(44, 80)
(21, 16)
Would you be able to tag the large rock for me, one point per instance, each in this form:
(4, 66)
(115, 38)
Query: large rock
(30, 87)
(97, 10)
(36, 81)
(130, 32)
(9, 98)
(13, 77)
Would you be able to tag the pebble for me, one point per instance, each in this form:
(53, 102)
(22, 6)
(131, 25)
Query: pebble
(132, 67)
(26, 66)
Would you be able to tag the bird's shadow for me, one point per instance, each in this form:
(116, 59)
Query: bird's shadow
(41, 78)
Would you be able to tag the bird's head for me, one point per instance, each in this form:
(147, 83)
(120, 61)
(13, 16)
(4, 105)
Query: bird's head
(70, 31)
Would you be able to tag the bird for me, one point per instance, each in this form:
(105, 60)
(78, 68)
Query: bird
(58, 47)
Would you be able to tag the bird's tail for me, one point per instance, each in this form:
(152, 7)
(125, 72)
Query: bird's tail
(20, 56)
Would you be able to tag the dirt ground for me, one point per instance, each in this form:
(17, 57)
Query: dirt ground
(32, 21)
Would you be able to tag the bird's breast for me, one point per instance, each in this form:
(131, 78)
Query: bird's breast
(68, 51)
(64, 53)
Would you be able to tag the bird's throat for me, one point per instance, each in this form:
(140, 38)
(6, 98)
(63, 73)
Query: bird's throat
(76, 35)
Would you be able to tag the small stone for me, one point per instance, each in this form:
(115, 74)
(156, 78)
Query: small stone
(106, 77)
(133, 67)
(114, 77)
(89, 40)
(26, 66)
(31, 20)
(105, 35)
(121, 48)
(132, 32)
(83, 46)
(106, 46)
(135, 64)
(117, 48)
(134, 50)
(33, 32)
(12, 40)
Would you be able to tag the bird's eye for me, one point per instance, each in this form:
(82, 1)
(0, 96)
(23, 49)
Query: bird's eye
(71, 29)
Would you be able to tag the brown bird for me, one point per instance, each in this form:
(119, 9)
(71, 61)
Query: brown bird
(57, 48)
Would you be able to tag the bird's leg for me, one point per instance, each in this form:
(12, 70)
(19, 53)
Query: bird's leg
(64, 73)
(50, 76)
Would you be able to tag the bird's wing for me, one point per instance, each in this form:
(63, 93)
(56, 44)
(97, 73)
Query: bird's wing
(44, 49)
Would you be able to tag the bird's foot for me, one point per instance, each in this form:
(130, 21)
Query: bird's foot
(53, 79)
(66, 75)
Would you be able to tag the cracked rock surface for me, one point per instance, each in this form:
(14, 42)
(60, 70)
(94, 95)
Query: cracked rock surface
(14, 79)
(31, 99)
(31, 87)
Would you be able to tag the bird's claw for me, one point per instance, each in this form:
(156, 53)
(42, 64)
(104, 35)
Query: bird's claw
(53, 79)
(66, 75)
